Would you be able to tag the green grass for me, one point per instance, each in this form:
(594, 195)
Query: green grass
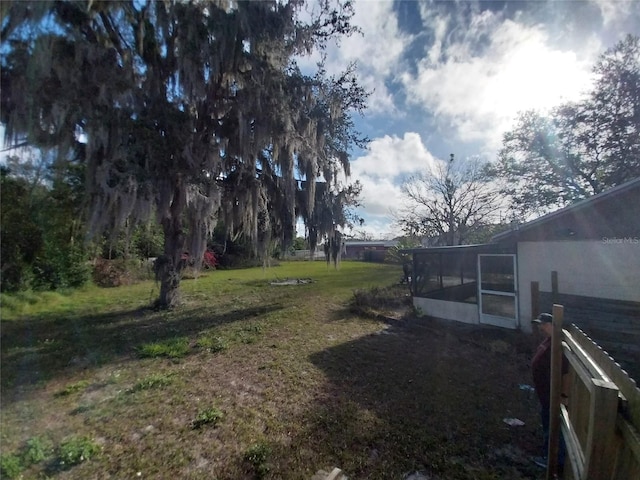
(171, 348)
(250, 380)
(153, 381)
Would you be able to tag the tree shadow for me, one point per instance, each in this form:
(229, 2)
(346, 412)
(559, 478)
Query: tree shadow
(37, 350)
(410, 398)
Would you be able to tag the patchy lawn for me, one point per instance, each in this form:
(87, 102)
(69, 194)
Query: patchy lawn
(251, 379)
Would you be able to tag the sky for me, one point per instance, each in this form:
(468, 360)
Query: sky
(451, 76)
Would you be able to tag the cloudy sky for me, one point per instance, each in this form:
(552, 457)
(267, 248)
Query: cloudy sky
(450, 77)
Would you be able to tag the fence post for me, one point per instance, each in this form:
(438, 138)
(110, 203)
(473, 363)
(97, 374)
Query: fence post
(556, 388)
(600, 451)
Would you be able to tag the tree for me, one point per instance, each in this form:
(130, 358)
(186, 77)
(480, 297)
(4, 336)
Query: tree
(40, 248)
(582, 148)
(191, 111)
(450, 205)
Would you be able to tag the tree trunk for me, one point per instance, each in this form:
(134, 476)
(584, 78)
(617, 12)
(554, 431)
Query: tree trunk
(169, 265)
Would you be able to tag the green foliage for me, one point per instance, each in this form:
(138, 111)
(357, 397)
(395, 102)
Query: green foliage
(10, 465)
(75, 450)
(299, 243)
(208, 416)
(73, 388)
(39, 248)
(156, 380)
(36, 450)
(212, 343)
(172, 348)
(249, 334)
(257, 455)
(395, 255)
(581, 148)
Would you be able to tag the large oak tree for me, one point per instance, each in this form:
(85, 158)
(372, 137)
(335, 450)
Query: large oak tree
(192, 112)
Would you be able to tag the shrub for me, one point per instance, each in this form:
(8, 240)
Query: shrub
(114, 273)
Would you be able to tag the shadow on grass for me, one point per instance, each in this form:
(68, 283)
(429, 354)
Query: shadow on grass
(36, 350)
(426, 399)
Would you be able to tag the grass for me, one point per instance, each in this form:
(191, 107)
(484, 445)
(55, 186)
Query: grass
(251, 380)
(171, 348)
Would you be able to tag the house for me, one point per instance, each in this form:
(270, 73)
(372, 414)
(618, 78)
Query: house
(372, 250)
(585, 256)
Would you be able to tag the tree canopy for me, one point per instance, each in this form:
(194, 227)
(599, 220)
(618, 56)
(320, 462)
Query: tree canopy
(581, 148)
(191, 112)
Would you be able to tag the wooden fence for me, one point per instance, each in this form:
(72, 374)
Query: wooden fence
(600, 420)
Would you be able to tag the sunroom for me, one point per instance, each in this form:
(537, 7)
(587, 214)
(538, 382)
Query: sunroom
(467, 283)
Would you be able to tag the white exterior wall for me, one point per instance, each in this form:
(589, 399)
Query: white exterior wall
(461, 312)
(608, 268)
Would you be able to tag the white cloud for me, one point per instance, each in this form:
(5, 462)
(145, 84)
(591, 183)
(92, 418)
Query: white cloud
(614, 11)
(381, 170)
(377, 52)
(481, 96)
(392, 156)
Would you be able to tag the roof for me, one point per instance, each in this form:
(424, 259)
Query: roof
(371, 243)
(461, 249)
(615, 211)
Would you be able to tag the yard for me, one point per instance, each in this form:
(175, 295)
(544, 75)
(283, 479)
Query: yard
(254, 380)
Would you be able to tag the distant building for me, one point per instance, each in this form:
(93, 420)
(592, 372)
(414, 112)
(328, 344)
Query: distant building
(372, 250)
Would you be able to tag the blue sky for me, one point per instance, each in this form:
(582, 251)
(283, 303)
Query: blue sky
(451, 76)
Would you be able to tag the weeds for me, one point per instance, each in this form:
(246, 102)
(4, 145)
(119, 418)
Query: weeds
(380, 297)
(75, 450)
(172, 348)
(257, 456)
(11, 465)
(249, 334)
(35, 450)
(73, 388)
(213, 344)
(209, 416)
(156, 380)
